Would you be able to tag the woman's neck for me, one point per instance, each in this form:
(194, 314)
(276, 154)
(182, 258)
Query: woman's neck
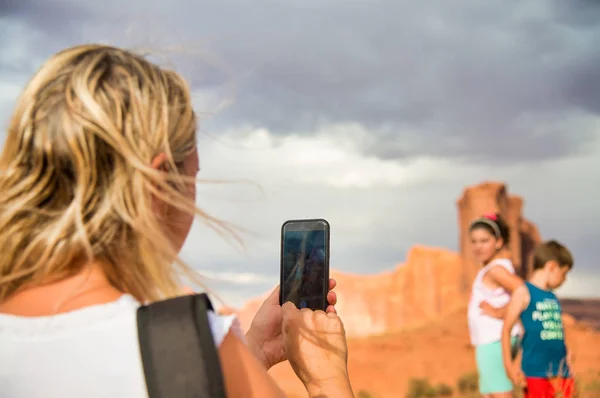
(88, 287)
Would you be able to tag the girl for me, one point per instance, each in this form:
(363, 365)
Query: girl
(493, 286)
(97, 196)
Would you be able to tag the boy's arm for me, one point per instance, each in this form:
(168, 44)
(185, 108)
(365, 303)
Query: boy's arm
(518, 302)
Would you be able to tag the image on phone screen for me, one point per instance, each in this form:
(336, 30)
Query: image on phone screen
(305, 263)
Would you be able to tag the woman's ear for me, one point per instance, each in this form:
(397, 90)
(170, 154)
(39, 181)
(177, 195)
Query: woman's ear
(159, 162)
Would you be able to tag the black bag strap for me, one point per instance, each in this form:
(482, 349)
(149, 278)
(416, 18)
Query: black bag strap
(179, 355)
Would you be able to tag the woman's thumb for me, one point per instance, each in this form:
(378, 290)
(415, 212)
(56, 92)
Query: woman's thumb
(289, 309)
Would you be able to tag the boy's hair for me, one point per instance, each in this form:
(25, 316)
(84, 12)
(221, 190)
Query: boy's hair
(494, 224)
(551, 250)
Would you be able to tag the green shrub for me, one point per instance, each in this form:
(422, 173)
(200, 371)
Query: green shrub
(468, 383)
(589, 388)
(420, 388)
(443, 390)
(430, 393)
(364, 394)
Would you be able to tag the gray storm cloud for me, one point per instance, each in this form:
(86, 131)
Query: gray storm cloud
(495, 82)
(489, 82)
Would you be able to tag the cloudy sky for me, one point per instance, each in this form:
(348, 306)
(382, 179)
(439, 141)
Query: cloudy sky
(372, 114)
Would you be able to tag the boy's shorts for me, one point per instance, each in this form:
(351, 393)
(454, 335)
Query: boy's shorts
(538, 387)
(490, 366)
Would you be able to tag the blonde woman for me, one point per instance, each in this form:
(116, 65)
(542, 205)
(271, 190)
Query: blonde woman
(97, 196)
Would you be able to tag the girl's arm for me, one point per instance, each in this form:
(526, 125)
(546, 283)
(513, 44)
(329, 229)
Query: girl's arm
(505, 279)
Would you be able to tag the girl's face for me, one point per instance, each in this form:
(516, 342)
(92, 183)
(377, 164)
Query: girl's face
(484, 244)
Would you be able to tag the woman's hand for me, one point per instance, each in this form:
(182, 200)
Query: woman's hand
(315, 343)
(265, 337)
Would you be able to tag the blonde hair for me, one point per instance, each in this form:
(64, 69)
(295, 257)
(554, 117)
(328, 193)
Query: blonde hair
(76, 182)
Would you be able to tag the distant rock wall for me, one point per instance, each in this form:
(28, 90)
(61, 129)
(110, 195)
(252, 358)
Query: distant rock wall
(433, 282)
(413, 294)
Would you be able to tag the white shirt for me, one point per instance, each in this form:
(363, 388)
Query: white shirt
(92, 352)
(484, 329)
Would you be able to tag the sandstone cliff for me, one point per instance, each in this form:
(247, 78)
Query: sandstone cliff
(432, 282)
(416, 292)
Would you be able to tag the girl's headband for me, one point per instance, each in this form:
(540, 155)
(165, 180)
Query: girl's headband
(491, 221)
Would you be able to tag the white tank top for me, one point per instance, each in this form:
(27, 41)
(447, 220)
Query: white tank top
(484, 329)
(92, 352)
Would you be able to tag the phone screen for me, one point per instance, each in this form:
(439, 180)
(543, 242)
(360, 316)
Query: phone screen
(305, 263)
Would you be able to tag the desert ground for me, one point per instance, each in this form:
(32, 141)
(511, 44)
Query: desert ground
(389, 365)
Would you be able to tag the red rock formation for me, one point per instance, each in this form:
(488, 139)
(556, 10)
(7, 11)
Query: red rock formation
(493, 197)
(417, 292)
(530, 237)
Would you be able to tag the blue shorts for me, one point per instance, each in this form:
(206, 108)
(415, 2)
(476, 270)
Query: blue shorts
(490, 366)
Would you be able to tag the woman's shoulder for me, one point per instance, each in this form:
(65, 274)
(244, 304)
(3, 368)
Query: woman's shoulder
(71, 323)
(98, 342)
(108, 318)
(221, 325)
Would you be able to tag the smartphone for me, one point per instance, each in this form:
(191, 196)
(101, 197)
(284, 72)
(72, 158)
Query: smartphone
(305, 263)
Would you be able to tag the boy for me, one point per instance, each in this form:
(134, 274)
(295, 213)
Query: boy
(545, 365)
